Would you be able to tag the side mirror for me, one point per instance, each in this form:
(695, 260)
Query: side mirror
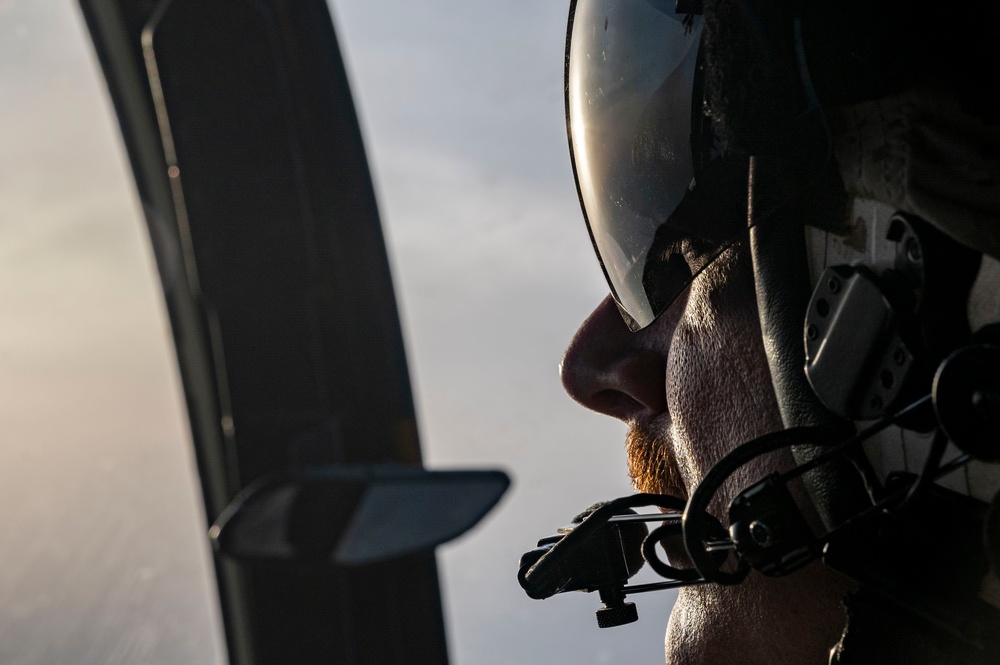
(354, 515)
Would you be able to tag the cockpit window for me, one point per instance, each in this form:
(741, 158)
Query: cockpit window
(103, 548)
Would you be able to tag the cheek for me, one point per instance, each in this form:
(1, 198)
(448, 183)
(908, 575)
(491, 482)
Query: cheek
(718, 388)
(719, 395)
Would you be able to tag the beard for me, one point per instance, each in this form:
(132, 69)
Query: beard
(651, 463)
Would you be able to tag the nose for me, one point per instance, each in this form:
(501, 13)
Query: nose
(612, 370)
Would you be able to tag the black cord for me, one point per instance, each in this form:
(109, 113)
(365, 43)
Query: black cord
(885, 505)
(694, 520)
(857, 439)
(928, 473)
(659, 567)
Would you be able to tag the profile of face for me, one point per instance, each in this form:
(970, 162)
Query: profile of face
(692, 386)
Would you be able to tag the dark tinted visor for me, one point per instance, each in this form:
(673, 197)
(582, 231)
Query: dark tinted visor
(659, 203)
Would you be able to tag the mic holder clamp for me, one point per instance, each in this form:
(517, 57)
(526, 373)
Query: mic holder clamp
(768, 529)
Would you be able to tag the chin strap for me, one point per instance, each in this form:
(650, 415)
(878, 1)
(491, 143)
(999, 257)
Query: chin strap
(781, 277)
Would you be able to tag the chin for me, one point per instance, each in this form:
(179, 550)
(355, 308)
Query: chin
(763, 621)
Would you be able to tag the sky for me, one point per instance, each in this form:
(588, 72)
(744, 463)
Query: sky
(461, 111)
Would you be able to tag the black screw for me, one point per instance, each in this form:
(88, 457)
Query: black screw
(833, 285)
(898, 356)
(913, 251)
(617, 615)
(760, 533)
(876, 402)
(812, 332)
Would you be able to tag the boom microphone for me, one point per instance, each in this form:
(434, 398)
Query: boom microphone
(611, 555)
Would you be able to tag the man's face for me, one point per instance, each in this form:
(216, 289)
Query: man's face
(691, 387)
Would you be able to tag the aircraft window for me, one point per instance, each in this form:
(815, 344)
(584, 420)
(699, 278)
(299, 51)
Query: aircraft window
(102, 542)
(102, 545)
